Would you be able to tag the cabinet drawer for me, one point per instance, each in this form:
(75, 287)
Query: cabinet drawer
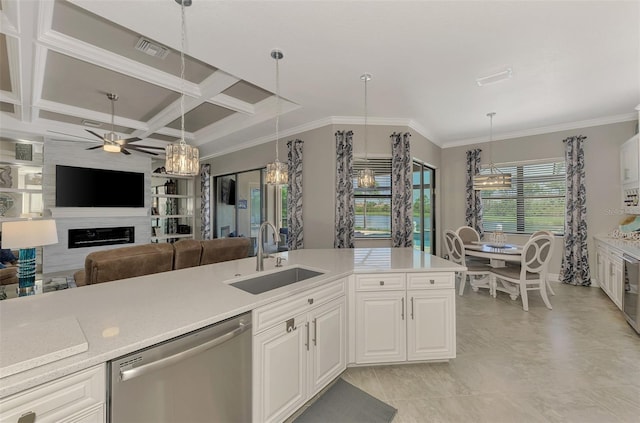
(272, 314)
(64, 399)
(380, 282)
(430, 280)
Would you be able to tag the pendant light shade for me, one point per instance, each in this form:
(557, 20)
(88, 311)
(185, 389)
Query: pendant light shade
(494, 180)
(277, 172)
(366, 176)
(181, 158)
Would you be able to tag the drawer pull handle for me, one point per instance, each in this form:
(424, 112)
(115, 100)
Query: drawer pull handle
(290, 325)
(381, 283)
(310, 300)
(29, 417)
(431, 281)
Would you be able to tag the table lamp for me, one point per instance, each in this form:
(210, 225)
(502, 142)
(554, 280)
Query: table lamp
(27, 235)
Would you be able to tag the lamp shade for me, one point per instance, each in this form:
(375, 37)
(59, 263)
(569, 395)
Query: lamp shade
(29, 233)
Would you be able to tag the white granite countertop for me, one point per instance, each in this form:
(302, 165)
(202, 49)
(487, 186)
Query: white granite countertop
(123, 316)
(631, 248)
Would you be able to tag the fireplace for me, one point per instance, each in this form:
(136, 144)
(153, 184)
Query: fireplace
(95, 237)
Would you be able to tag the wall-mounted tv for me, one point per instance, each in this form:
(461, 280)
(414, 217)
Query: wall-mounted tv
(88, 187)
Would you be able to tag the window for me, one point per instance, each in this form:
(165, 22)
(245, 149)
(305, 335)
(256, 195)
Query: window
(423, 208)
(373, 205)
(535, 202)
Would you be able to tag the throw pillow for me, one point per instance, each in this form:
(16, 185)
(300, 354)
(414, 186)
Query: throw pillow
(6, 256)
(2, 266)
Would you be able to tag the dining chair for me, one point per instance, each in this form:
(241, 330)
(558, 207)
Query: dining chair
(530, 275)
(469, 235)
(477, 272)
(550, 253)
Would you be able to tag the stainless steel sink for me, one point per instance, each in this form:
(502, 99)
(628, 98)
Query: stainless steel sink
(267, 282)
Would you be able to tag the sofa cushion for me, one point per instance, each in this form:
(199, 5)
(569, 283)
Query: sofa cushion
(224, 249)
(128, 262)
(7, 256)
(187, 253)
(8, 275)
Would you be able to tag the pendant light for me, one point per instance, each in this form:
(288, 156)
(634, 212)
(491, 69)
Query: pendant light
(494, 180)
(182, 159)
(366, 176)
(277, 172)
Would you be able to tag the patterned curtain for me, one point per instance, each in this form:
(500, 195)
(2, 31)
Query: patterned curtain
(401, 191)
(205, 201)
(294, 196)
(473, 216)
(345, 214)
(575, 260)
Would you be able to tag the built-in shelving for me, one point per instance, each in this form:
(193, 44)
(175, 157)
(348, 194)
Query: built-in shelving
(172, 207)
(20, 179)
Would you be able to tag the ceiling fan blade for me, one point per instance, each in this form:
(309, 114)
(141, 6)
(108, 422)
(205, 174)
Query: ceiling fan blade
(132, 139)
(93, 148)
(94, 133)
(150, 147)
(71, 135)
(123, 151)
(134, 148)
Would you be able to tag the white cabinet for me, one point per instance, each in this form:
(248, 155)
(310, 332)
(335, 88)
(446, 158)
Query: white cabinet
(380, 327)
(610, 272)
(172, 207)
(629, 160)
(415, 322)
(630, 175)
(299, 347)
(79, 397)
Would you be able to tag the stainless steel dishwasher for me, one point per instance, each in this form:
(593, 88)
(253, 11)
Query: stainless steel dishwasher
(202, 376)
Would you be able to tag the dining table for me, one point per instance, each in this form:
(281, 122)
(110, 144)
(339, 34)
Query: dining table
(498, 254)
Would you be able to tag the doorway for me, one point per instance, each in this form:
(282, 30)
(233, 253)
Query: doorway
(424, 219)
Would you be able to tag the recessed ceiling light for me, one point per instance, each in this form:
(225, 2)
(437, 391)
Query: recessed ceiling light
(496, 77)
(91, 123)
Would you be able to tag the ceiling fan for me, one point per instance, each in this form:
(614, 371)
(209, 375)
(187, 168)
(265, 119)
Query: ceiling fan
(112, 142)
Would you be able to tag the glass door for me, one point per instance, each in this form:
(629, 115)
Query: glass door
(423, 208)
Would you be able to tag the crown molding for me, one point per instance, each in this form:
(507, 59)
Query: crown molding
(546, 129)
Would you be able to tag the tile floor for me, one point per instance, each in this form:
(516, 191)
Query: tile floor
(579, 362)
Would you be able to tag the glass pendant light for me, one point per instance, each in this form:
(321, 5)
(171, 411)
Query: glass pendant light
(277, 172)
(495, 179)
(181, 158)
(366, 176)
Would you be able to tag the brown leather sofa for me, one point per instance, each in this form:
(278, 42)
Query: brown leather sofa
(9, 274)
(139, 260)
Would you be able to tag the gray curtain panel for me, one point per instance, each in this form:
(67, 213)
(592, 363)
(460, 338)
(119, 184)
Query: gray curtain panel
(294, 196)
(205, 201)
(401, 191)
(473, 215)
(345, 214)
(575, 259)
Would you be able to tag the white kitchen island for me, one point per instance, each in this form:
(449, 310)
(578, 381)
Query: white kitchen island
(120, 317)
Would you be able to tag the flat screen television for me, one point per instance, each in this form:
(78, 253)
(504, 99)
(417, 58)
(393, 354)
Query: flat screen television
(88, 187)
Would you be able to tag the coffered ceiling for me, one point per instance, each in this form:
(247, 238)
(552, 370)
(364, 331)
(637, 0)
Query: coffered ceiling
(574, 64)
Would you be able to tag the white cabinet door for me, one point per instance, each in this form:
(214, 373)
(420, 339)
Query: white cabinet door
(328, 351)
(380, 327)
(431, 324)
(629, 162)
(280, 373)
(617, 281)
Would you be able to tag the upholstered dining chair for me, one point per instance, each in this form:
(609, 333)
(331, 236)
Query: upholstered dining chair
(469, 235)
(478, 273)
(530, 275)
(550, 253)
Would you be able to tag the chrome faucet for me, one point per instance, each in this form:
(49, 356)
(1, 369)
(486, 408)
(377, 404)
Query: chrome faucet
(261, 255)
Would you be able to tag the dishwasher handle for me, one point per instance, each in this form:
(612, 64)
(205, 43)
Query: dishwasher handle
(182, 355)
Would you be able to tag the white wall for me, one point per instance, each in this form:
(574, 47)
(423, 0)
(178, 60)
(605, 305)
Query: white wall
(602, 170)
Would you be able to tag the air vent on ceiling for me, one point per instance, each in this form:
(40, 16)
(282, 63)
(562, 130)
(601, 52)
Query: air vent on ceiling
(152, 49)
(91, 123)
